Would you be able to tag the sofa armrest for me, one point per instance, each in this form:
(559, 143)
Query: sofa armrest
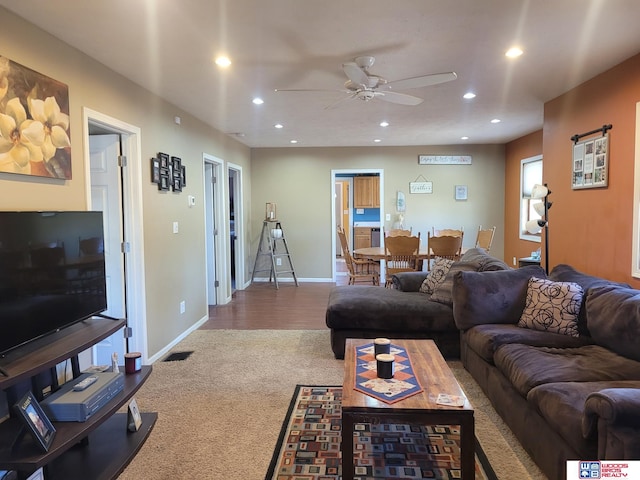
(408, 281)
(613, 414)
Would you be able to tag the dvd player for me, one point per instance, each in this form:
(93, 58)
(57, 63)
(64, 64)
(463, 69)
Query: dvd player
(73, 405)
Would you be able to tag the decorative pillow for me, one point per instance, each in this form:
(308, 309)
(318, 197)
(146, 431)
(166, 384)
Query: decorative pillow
(552, 306)
(436, 276)
(443, 292)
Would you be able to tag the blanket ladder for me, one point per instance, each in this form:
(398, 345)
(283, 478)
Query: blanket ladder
(273, 245)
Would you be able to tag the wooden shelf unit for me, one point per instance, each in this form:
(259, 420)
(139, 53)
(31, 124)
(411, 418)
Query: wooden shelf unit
(73, 453)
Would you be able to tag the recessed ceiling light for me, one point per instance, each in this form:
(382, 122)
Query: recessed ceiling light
(384, 124)
(464, 138)
(278, 125)
(469, 95)
(513, 52)
(223, 62)
(293, 141)
(496, 120)
(258, 101)
(377, 140)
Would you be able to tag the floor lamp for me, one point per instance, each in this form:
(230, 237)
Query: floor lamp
(542, 209)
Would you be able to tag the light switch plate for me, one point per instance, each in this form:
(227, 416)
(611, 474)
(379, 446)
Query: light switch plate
(175, 227)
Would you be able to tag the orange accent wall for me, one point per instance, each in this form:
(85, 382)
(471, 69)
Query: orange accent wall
(590, 229)
(524, 147)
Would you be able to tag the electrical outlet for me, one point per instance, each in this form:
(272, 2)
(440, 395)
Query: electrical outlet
(278, 261)
(388, 217)
(183, 306)
(175, 227)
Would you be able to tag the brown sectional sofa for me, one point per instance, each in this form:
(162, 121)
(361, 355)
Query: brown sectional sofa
(357, 311)
(564, 397)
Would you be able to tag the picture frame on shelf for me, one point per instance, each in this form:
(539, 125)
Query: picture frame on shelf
(30, 412)
(134, 419)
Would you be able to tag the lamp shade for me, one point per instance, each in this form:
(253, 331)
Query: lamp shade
(539, 208)
(539, 191)
(533, 226)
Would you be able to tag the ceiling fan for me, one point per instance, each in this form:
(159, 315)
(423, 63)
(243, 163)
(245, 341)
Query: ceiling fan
(366, 86)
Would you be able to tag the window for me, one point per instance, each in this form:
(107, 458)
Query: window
(530, 174)
(635, 254)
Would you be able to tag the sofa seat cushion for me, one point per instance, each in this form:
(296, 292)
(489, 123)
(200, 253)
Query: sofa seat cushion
(387, 310)
(527, 366)
(485, 339)
(562, 406)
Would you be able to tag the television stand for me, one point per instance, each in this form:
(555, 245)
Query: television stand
(110, 447)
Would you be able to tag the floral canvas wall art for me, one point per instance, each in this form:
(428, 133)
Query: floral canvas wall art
(34, 123)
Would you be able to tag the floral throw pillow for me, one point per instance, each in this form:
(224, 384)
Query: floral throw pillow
(436, 276)
(552, 306)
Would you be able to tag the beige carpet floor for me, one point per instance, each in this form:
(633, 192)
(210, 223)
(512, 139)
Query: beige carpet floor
(220, 411)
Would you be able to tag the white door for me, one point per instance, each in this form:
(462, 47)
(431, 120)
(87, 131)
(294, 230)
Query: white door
(210, 229)
(106, 196)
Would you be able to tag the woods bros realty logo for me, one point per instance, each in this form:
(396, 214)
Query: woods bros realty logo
(603, 469)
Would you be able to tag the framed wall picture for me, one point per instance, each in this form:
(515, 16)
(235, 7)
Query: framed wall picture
(461, 192)
(155, 170)
(590, 163)
(31, 414)
(164, 183)
(164, 160)
(176, 166)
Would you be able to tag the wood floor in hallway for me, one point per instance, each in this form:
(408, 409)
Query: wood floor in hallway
(262, 306)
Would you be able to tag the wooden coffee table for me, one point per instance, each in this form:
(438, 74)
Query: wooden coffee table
(434, 376)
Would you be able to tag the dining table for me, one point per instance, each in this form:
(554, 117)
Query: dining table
(377, 253)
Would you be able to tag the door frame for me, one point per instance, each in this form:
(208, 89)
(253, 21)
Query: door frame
(220, 247)
(350, 171)
(238, 206)
(136, 309)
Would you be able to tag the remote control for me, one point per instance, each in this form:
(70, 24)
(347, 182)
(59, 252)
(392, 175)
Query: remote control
(78, 387)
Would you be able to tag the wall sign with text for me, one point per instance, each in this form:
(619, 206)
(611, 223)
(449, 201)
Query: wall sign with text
(444, 159)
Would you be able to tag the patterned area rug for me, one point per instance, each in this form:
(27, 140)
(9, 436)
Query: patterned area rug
(309, 445)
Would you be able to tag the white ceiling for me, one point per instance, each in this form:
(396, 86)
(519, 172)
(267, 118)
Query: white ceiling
(168, 47)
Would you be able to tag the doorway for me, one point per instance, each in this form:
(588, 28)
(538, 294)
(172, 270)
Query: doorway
(347, 219)
(234, 174)
(113, 185)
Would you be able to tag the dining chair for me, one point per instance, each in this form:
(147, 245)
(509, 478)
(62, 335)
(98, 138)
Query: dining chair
(359, 269)
(401, 255)
(398, 232)
(447, 231)
(485, 238)
(90, 246)
(445, 246)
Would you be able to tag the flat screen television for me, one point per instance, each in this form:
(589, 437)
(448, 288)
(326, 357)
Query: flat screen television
(52, 273)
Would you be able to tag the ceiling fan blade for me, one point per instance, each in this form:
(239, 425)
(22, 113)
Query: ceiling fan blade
(309, 90)
(356, 74)
(335, 104)
(418, 82)
(399, 98)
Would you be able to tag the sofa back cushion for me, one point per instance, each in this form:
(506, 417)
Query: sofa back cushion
(613, 318)
(566, 273)
(487, 262)
(491, 296)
